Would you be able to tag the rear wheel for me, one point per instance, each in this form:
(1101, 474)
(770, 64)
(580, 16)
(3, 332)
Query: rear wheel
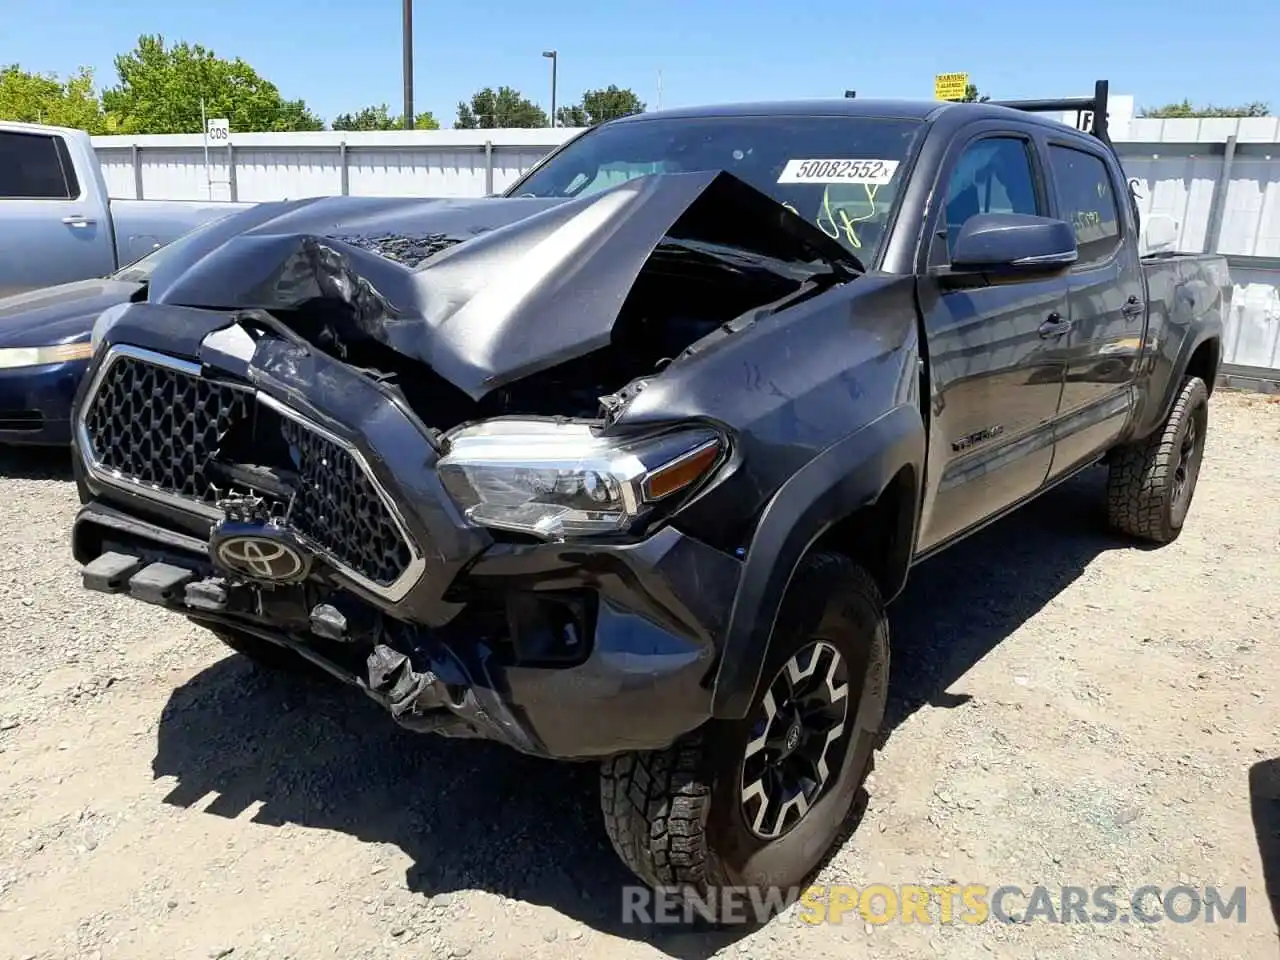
(1151, 483)
(760, 801)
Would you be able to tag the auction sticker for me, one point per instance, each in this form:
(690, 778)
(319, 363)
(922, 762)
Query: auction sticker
(878, 172)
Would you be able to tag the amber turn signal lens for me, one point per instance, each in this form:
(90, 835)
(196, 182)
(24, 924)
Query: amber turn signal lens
(681, 472)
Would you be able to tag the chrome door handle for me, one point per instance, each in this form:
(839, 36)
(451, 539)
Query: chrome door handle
(75, 220)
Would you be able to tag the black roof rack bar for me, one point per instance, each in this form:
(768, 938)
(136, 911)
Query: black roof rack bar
(1095, 105)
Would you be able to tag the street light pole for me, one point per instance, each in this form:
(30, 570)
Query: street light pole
(408, 64)
(551, 54)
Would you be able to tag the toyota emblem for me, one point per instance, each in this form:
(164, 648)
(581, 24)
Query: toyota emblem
(261, 558)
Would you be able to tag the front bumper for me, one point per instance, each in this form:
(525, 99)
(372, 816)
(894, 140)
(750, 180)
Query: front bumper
(570, 650)
(589, 652)
(35, 403)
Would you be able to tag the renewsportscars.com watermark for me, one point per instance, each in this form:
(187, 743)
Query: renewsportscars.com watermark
(971, 904)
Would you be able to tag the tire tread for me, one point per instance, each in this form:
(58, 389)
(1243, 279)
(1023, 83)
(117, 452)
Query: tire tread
(655, 808)
(1140, 478)
(656, 803)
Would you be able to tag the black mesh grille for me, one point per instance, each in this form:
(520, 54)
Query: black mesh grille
(166, 429)
(161, 427)
(336, 505)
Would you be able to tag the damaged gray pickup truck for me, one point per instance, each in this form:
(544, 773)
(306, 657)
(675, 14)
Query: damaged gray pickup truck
(624, 465)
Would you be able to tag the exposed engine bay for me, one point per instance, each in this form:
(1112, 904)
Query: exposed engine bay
(682, 294)
(544, 315)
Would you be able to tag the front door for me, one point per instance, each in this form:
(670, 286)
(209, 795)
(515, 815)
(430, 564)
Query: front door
(996, 376)
(1106, 302)
(51, 229)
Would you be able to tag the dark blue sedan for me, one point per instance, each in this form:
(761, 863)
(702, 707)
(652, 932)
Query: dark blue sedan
(45, 346)
(44, 351)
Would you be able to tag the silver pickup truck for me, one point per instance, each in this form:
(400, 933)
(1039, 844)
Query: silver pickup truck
(57, 223)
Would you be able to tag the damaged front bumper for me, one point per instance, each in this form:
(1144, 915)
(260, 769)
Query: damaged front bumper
(569, 650)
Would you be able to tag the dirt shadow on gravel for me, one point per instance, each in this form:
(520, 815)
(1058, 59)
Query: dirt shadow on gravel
(1264, 800)
(35, 463)
(958, 606)
(473, 815)
(470, 815)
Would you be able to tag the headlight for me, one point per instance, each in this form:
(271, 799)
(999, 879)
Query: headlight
(106, 320)
(558, 480)
(11, 357)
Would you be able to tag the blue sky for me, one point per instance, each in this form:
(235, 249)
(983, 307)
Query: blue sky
(342, 55)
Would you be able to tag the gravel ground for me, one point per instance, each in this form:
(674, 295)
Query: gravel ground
(1068, 709)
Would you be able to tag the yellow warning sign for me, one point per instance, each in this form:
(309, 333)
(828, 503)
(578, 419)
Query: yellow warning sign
(950, 86)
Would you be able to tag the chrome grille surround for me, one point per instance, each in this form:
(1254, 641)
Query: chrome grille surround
(173, 418)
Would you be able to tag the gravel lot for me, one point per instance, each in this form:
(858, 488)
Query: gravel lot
(1068, 709)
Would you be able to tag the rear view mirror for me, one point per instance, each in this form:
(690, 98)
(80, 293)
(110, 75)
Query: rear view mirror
(1013, 244)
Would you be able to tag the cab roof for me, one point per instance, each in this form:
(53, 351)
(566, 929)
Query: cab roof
(921, 110)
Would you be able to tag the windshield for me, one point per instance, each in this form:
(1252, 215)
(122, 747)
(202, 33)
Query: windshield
(140, 270)
(839, 173)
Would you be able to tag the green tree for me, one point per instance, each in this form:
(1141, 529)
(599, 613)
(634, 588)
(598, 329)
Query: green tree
(573, 116)
(381, 118)
(597, 106)
(504, 107)
(1185, 109)
(971, 95)
(43, 98)
(161, 87)
(610, 103)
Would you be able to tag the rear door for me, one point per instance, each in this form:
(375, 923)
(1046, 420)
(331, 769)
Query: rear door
(1105, 301)
(53, 230)
(995, 376)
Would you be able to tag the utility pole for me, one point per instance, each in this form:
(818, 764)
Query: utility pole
(408, 64)
(551, 55)
(659, 88)
(204, 133)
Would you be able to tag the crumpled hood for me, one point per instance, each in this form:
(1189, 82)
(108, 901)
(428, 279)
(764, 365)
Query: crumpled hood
(503, 287)
(61, 314)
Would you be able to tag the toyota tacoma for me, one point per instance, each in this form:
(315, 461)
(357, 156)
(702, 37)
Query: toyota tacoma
(625, 464)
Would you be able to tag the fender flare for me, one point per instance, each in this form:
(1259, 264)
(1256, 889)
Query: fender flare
(1157, 412)
(844, 477)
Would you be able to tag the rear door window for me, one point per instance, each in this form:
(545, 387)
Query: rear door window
(35, 166)
(1086, 200)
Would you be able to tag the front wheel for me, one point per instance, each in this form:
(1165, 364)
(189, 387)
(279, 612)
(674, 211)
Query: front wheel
(1151, 482)
(760, 801)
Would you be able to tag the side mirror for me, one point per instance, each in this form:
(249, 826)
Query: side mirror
(1012, 245)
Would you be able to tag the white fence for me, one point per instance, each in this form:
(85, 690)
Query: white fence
(275, 166)
(1219, 179)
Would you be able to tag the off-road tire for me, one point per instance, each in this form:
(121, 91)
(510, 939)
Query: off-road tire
(264, 653)
(674, 816)
(1142, 498)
